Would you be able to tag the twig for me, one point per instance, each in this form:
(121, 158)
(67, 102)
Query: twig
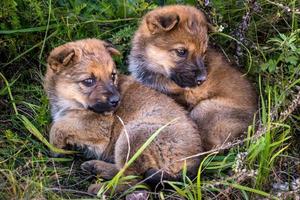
(291, 195)
(243, 176)
(291, 108)
(70, 190)
(70, 172)
(56, 175)
(243, 27)
(286, 8)
(81, 181)
(127, 137)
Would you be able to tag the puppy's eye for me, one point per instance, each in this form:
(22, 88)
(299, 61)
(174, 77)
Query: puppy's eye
(89, 82)
(182, 52)
(113, 76)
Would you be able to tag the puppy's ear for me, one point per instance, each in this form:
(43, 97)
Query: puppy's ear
(111, 49)
(161, 22)
(63, 56)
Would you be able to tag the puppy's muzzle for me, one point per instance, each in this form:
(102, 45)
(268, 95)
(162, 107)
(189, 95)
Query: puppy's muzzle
(114, 100)
(200, 78)
(189, 74)
(109, 105)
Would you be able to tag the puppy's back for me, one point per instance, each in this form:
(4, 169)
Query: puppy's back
(143, 101)
(144, 111)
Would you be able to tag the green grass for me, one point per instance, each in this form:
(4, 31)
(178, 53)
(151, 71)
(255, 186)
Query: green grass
(270, 57)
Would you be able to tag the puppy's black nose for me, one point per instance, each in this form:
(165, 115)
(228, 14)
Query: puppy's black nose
(200, 79)
(114, 100)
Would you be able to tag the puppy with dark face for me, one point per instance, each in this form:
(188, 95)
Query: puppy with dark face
(80, 86)
(170, 53)
(83, 86)
(81, 80)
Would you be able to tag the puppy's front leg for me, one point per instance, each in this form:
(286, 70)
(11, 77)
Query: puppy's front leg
(58, 135)
(83, 129)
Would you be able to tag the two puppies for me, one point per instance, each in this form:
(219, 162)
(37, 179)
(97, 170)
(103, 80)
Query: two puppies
(83, 87)
(170, 53)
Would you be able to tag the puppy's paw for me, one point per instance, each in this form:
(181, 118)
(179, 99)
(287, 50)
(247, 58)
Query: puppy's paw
(89, 166)
(101, 168)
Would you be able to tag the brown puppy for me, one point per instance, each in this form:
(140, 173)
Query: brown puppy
(82, 86)
(170, 53)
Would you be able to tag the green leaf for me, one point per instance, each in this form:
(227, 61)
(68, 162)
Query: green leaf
(32, 129)
(272, 65)
(292, 60)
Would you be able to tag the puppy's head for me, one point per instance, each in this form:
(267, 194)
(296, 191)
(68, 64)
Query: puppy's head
(172, 41)
(82, 74)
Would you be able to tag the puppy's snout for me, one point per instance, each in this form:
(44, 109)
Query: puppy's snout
(114, 100)
(200, 63)
(113, 96)
(200, 79)
(203, 73)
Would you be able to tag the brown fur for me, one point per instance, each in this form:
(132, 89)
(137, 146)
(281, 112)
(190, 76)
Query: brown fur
(142, 110)
(220, 99)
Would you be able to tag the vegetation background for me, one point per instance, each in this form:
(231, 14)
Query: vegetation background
(261, 37)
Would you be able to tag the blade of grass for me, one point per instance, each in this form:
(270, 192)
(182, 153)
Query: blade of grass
(34, 160)
(28, 50)
(47, 28)
(199, 175)
(3, 90)
(177, 189)
(29, 30)
(277, 154)
(32, 129)
(10, 94)
(256, 191)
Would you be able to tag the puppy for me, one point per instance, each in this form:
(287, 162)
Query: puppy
(84, 89)
(170, 53)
